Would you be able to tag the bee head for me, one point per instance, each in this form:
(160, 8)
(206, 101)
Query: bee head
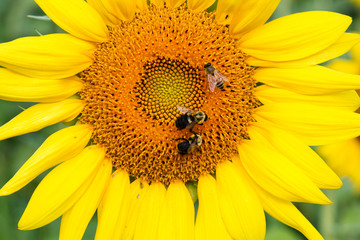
(207, 65)
(200, 117)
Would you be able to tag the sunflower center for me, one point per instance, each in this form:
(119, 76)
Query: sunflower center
(166, 84)
(151, 66)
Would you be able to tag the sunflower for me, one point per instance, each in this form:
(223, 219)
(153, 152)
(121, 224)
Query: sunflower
(126, 72)
(344, 156)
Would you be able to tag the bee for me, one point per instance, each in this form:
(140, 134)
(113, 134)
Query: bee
(189, 118)
(215, 78)
(189, 145)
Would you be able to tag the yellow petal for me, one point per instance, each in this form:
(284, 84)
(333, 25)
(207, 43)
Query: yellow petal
(124, 10)
(295, 36)
(344, 65)
(61, 188)
(315, 80)
(174, 3)
(41, 115)
(314, 125)
(343, 157)
(141, 5)
(284, 211)
(177, 214)
(199, 5)
(240, 207)
(60, 146)
(75, 221)
(225, 11)
(114, 206)
(347, 100)
(340, 47)
(158, 3)
(51, 56)
(300, 154)
(76, 17)
(115, 10)
(287, 213)
(355, 52)
(147, 225)
(138, 190)
(209, 224)
(251, 14)
(19, 88)
(275, 173)
(108, 18)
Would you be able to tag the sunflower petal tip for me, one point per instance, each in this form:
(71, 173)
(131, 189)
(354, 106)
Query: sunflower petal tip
(329, 202)
(3, 192)
(7, 189)
(337, 183)
(22, 224)
(326, 201)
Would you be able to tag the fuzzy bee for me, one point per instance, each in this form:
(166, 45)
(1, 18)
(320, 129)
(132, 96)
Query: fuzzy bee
(215, 78)
(189, 145)
(189, 118)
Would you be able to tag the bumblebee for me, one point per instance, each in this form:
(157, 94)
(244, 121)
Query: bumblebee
(189, 145)
(215, 78)
(189, 118)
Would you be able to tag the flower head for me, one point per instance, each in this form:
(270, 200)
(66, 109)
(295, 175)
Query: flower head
(170, 99)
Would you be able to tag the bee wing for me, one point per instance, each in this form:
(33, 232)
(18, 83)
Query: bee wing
(185, 109)
(191, 148)
(219, 75)
(212, 82)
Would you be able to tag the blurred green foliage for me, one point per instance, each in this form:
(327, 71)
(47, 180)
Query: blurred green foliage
(340, 220)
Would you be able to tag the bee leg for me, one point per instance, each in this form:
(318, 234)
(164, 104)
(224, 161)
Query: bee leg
(192, 131)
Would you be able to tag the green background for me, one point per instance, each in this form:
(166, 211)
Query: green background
(338, 221)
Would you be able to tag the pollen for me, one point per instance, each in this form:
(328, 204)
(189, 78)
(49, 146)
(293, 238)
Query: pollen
(149, 67)
(167, 84)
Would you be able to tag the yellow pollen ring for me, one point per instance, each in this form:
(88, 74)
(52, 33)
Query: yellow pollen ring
(167, 84)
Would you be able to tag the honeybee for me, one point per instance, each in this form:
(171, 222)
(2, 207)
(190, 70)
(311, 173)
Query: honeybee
(215, 78)
(189, 118)
(189, 145)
